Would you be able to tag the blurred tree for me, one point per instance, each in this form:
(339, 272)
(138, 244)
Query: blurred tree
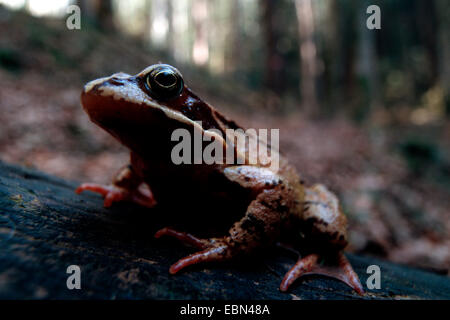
(274, 65)
(308, 60)
(200, 50)
(329, 46)
(443, 14)
(220, 27)
(367, 68)
(234, 47)
(428, 35)
(347, 49)
(104, 15)
(321, 46)
(146, 32)
(99, 12)
(171, 42)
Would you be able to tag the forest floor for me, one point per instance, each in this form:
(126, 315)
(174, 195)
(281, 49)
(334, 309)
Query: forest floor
(393, 180)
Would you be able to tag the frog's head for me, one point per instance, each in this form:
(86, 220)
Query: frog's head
(145, 108)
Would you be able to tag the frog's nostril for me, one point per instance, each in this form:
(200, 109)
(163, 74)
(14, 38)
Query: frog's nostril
(116, 81)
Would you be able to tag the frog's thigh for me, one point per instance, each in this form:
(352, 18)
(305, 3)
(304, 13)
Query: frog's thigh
(261, 223)
(322, 208)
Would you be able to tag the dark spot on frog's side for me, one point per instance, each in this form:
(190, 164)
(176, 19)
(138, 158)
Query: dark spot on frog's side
(264, 203)
(283, 208)
(316, 221)
(252, 223)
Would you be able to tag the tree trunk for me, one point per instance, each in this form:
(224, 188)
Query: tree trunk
(104, 15)
(428, 32)
(308, 60)
(367, 64)
(274, 74)
(234, 39)
(200, 50)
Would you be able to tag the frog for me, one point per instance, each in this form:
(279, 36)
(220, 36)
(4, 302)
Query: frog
(265, 207)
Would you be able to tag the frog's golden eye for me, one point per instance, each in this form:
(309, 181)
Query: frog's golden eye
(164, 82)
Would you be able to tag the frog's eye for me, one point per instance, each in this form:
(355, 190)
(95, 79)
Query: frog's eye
(164, 82)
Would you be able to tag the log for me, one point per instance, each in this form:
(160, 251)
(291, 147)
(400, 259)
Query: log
(45, 227)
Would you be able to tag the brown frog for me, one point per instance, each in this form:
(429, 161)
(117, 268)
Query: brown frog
(271, 206)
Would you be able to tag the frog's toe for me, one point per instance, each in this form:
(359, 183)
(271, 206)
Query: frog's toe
(112, 193)
(342, 271)
(303, 266)
(115, 195)
(214, 249)
(183, 237)
(215, 253)
(103, 190)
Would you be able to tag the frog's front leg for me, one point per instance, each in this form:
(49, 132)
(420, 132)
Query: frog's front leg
(259, 226)
(327, 221)
(126, 186)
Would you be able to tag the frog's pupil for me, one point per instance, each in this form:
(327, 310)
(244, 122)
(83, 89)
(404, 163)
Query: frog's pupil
(166, 79)
(164, 82)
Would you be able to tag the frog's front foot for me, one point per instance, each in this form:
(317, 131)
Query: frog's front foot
(111, 193)
(341, 269)
(215, 249)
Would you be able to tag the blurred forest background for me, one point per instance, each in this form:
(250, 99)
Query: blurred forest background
(364, 111)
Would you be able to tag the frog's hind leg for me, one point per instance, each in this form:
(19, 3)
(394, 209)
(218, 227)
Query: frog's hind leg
(328, 225)
(341, 270)
(260, 225)
(212, 249)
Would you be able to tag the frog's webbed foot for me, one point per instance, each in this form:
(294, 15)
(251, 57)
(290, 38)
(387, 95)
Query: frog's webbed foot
(341, 270)
(214, 249)
(111, 193)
